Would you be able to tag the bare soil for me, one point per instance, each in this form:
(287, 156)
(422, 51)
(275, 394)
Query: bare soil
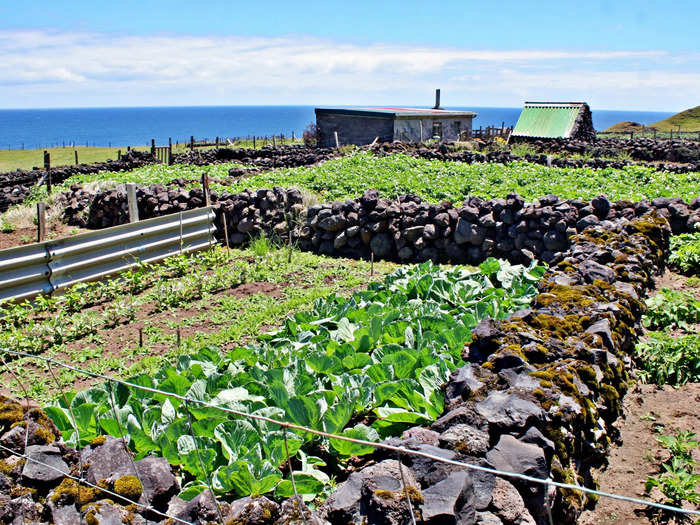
(22, 236)
(648, 411)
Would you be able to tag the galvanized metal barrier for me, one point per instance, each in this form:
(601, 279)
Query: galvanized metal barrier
(54, 265)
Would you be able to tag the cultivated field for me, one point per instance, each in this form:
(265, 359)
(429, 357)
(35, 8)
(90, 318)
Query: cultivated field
(430, 356)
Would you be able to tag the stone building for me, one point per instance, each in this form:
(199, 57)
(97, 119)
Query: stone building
(361, 126)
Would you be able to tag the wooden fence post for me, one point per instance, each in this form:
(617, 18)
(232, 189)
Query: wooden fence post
(337, 142)
(76, 156)
(170, 151)
(119, 154)
(153, 147)
(274, 142)
(47, 167)
(40, 221)
(254, 142)
(205, 189)
(133, 203)
(192, 142)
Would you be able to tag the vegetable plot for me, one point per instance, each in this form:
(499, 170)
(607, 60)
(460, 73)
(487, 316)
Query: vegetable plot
(367, 366)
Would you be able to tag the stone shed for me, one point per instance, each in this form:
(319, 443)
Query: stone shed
(362, 125)
(552, 120)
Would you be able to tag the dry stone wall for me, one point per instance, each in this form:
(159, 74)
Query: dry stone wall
(406, 229)
(676, 157)
(538, 396)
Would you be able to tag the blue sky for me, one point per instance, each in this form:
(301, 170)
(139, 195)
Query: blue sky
(615, 55)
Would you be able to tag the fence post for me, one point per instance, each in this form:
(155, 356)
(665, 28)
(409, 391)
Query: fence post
(47, 167)
(217, 142)
(254, 142)
(133, 204)
(274, 142)
(40, 221)
(205, 189)
(337, 142)
(119, 154)
(76, 156)
(192, 142)
(153, 147)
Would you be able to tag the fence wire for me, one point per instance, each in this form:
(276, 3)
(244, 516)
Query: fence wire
(399, 450)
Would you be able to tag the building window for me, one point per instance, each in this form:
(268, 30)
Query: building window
(437, 130)
(458, 127)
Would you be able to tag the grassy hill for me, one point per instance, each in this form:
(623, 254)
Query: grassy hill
(625, 127)
(688, 120)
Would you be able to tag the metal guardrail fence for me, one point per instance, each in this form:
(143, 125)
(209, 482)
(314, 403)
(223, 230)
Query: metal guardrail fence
(54, 265)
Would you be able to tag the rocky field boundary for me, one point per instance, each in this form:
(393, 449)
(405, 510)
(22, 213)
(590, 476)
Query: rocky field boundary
(537, 396)
(405, 230)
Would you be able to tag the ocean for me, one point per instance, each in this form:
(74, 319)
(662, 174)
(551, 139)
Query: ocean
(42, 128)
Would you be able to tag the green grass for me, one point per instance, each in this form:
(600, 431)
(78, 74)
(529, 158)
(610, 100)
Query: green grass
(27, 159)
(688, 120)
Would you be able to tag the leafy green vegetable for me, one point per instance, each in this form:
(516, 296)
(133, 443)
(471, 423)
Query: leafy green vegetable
(365, 367)
(685, 252)
(671, 308)
(664, 359)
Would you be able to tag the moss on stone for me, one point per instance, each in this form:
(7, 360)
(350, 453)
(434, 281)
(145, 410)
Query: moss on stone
(10, 412)
(128, 487)
(70, 492)
(97, 441)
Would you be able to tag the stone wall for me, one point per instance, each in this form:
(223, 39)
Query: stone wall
(405, 230)
(16, 185)
(538, 396)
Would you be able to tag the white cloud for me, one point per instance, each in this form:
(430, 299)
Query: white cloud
(42, 68)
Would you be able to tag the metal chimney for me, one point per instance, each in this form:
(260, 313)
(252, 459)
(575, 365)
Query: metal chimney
(437, 99)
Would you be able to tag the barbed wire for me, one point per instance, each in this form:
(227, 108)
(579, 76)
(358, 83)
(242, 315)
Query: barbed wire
(379, 445)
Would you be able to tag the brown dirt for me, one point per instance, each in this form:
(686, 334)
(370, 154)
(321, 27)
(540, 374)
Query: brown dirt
(646, 407)
(648, 411)
(125, 335)
(22, 236)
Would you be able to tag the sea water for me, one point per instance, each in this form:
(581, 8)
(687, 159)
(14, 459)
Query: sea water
(42, 128)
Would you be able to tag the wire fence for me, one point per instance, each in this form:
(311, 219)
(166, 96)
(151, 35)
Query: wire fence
(399, 451)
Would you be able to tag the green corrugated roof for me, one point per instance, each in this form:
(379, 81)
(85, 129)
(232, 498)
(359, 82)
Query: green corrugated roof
(547, 119)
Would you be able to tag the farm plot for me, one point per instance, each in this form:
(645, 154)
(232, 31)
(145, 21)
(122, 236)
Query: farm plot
(367, 366)
(435, 181)
(209, 298)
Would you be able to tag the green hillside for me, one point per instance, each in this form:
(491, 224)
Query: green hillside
(625, 127)
(688, 120)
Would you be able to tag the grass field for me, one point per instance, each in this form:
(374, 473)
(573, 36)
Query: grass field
(26, 159)
(688, 120)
